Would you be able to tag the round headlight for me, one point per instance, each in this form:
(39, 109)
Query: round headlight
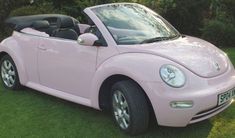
(172, 76)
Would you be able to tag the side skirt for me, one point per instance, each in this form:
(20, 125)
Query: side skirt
(59, 94)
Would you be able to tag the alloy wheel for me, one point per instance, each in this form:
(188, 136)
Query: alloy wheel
(121, 110)
(8, 73)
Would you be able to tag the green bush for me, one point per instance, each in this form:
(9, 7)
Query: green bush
(229, 7)
(1, 36)
(219, 33)
(45, 8)
(186, 15)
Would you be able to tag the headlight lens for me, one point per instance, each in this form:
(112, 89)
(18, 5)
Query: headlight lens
(172, 76)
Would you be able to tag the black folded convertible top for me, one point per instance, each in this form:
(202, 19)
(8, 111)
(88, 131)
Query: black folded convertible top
(21, 22)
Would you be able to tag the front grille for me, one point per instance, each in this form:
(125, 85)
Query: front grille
(210, 111)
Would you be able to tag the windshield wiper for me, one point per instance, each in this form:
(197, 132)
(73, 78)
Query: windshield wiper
(156, 39)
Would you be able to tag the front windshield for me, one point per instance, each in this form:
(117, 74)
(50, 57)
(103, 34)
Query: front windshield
(133, 24)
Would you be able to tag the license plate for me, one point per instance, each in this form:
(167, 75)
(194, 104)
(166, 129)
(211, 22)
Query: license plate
(224, 97)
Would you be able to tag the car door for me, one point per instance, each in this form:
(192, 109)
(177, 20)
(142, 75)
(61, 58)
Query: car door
(66, 66)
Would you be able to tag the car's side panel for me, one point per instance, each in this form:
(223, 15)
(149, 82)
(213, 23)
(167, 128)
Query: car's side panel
(22, 49)
(28, 45)
(66, 66)
(24, 53)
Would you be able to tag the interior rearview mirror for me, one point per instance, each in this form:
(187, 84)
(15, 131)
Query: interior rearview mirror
(87, 39)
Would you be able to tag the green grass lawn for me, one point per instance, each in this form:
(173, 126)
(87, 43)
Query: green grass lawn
(29, 113)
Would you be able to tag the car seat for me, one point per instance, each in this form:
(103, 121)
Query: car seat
(65, 29)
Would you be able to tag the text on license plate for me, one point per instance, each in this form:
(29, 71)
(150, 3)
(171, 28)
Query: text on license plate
(224, 97)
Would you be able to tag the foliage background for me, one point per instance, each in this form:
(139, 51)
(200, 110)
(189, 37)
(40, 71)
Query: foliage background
(213, 20)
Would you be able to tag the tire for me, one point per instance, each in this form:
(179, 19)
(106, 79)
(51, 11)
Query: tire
(9, 74)
(130, 108)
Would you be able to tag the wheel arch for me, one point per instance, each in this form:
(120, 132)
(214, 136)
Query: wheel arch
(105, 91)
(2, 54)
(18, 62)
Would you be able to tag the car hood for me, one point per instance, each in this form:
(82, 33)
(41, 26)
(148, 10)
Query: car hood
(198, 56)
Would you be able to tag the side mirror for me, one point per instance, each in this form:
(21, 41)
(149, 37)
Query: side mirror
(87, 39)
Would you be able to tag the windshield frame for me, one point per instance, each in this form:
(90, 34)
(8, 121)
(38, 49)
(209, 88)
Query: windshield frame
(173, 29)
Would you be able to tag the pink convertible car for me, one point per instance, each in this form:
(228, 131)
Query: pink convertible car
(126, 58)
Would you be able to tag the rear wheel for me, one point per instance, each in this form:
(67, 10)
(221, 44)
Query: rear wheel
(9, 74)
(129, 107)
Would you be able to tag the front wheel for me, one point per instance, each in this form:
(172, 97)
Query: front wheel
(9, 74)
(130, 108)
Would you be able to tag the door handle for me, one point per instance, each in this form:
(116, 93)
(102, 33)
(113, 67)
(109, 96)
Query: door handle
(42, 48)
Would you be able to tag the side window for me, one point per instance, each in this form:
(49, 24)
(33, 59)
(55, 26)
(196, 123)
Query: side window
(94, 30)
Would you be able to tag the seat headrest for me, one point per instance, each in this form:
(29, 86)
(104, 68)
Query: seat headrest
(65, 22)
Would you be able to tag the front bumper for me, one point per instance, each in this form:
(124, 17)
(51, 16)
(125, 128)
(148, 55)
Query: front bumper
(205, 101)
(210, 112)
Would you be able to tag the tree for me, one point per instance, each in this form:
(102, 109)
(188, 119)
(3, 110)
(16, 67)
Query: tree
(186, 15)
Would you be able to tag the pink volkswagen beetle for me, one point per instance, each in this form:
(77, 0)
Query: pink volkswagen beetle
(126, 58)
